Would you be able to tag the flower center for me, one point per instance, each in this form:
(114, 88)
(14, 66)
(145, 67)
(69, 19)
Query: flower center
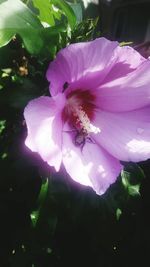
(79, 112)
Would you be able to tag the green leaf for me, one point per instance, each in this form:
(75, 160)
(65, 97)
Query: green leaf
(118, 213)
(17, 18)
(77, 10)
(2, 125)
(84, 31)
(134, 190)
(125, 179)
(131, 179)
(51, 38)
(67, 10)
(43, 193)
(46, 11)
(41, 199)
(54, 30)
(125, 43)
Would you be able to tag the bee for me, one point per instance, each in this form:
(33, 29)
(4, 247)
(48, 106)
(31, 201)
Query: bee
(80, 138)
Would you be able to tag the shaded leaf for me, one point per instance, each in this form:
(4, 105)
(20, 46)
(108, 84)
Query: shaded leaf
(47, 12)
(118, 213)
(84, 31)
(17, 18)
(19, 96)
(41, 199)
(2, 125)
(134, 190)
(125, 43)
(131, 179)
(67, 10)
(77, 10)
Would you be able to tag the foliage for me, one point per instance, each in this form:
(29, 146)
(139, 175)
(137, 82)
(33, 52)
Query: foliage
(41, 213)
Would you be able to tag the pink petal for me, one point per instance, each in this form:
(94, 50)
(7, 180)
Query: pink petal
(73, 161)
(125, 135)
(104, 168)
(82, 64)
(92, 166)
(44, 135)
(126, 93)
(127, 60)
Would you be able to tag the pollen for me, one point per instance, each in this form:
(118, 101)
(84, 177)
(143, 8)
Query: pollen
(84, 122)
(79, 112)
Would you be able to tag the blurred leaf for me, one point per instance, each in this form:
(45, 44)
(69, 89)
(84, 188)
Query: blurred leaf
(6, 56)
(44, 11)
(124, 189)
(51, 38)
(55, 29)
(125, 178)
(47, 13)
(118, 213)
(16, 17)
(134, 190)
(131, 179)
(2, 125)
(125, 43)
(19, 96)
(43, 193)
(41, 199)
(67, 10)
(84, 31)
(77, 10)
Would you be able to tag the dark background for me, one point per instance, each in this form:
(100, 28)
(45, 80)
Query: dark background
(123, 20)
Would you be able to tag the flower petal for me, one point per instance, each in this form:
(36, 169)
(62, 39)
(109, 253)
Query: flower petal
(73, 161)
(40, 115)
(92, 166)
(125, 135)
(82, 64)
(126, 93)
(127, 60)
(104, 168)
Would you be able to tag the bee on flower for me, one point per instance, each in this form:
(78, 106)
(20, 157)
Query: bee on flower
(98, 115)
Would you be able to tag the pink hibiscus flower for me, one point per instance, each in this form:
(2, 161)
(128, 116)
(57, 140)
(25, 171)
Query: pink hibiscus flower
(98, 115)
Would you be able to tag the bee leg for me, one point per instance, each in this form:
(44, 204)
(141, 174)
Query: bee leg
(70, 131)
(82, 145)
(90, 140)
